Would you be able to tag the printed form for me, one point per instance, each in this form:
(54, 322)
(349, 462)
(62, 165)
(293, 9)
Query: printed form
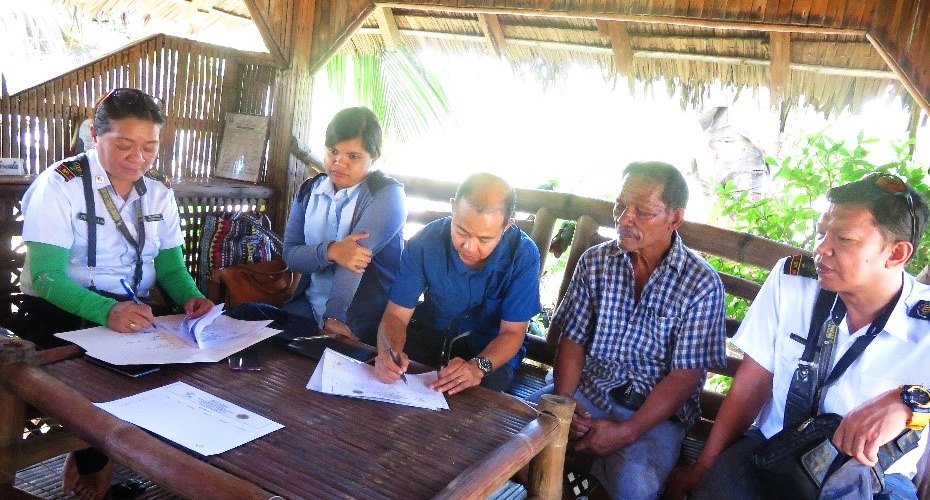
(343, 376)
(191, 418)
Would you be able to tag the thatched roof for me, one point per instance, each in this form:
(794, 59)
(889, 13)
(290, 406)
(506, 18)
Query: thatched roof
(830, 71)
(834, 70)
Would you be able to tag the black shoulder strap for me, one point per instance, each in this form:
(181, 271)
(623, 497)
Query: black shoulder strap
(377, 180)
(803, 389)
(90, 211)
(304, 190)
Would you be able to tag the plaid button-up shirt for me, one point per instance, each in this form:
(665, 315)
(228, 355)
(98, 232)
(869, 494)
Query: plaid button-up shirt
(678, 322)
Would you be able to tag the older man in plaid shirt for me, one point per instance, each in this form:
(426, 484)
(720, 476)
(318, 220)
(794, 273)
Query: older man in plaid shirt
(641, 323)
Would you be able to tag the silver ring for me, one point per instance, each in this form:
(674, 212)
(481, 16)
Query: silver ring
(132, 324)
(459, 380)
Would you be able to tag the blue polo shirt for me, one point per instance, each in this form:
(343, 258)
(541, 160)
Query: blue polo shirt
(459, 299)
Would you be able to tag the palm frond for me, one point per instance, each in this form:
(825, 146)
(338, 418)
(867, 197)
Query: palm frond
(406, 98)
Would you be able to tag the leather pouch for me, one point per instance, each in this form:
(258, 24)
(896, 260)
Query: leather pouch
(820, 461)
(266, 282)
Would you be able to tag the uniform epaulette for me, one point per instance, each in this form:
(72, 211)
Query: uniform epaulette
(921, 310)
(70, 169)
(159, 176)
(800, 265)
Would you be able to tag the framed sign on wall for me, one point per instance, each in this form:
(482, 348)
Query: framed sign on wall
(243, 147)
(12, 166)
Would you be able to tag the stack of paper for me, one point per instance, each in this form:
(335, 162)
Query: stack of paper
(343, 376)
(211, 337)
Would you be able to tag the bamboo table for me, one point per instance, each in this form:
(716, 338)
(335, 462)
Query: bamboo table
(330, 446)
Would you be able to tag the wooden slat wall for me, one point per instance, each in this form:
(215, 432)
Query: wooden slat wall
(195, 80)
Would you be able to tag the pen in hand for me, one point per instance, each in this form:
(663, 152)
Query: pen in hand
(132, 295)
(394, 356)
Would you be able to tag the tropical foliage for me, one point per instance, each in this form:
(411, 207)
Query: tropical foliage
(789, 215)
(407, 98)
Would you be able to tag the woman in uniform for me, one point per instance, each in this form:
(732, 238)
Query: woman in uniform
(92, 223)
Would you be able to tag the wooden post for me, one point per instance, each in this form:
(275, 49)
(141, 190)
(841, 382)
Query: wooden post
(547, 468)
(12, 409)
(543, 225)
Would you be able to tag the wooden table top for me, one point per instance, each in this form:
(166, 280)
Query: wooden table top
(330, 446)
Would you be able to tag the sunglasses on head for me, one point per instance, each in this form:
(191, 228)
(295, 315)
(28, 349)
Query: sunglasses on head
(894, 185)
(129, 96)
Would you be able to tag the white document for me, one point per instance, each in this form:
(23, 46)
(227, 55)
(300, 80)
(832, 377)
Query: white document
(220, 338)
(191, 418)
(343, 376)
(192, 329)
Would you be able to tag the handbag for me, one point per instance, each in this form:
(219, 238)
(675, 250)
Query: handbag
(797, 460)
(230, 238)
(266, 282)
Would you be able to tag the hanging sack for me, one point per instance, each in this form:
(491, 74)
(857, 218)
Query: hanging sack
(266, 282)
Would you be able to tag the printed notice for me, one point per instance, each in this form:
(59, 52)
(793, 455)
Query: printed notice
(191, 418)
(243, 147)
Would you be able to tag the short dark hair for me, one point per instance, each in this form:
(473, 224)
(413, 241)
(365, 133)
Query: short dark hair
(675, 189)
(127, 103)
(358, 122)
(891, 211)
(476, 182)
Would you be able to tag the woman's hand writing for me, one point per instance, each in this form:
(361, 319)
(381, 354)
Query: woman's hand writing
(349, 254)
(129, 317)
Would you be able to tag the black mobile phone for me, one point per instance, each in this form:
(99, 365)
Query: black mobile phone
(134, 371)
(245, 360)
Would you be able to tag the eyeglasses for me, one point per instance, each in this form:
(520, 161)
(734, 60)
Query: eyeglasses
(894, 185)
(638, 212)
(129, 96)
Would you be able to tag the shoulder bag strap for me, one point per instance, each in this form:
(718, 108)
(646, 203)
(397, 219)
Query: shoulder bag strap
(91, 212)
(801, 392)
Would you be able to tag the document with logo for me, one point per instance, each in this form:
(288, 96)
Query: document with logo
(192, 418)
(341, 375)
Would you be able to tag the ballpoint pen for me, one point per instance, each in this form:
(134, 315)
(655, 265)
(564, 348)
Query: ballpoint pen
(132, 295)
(394, 356)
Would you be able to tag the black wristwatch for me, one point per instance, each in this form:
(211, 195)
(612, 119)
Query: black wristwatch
(484, 364)
(917, 398)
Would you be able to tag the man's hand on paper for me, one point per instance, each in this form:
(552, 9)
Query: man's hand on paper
(197, 307)
(386, 370)
(129, 317)
(336, 327)
(457, 376)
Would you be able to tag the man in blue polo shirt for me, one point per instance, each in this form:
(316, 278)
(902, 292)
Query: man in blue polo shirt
(479, 277)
